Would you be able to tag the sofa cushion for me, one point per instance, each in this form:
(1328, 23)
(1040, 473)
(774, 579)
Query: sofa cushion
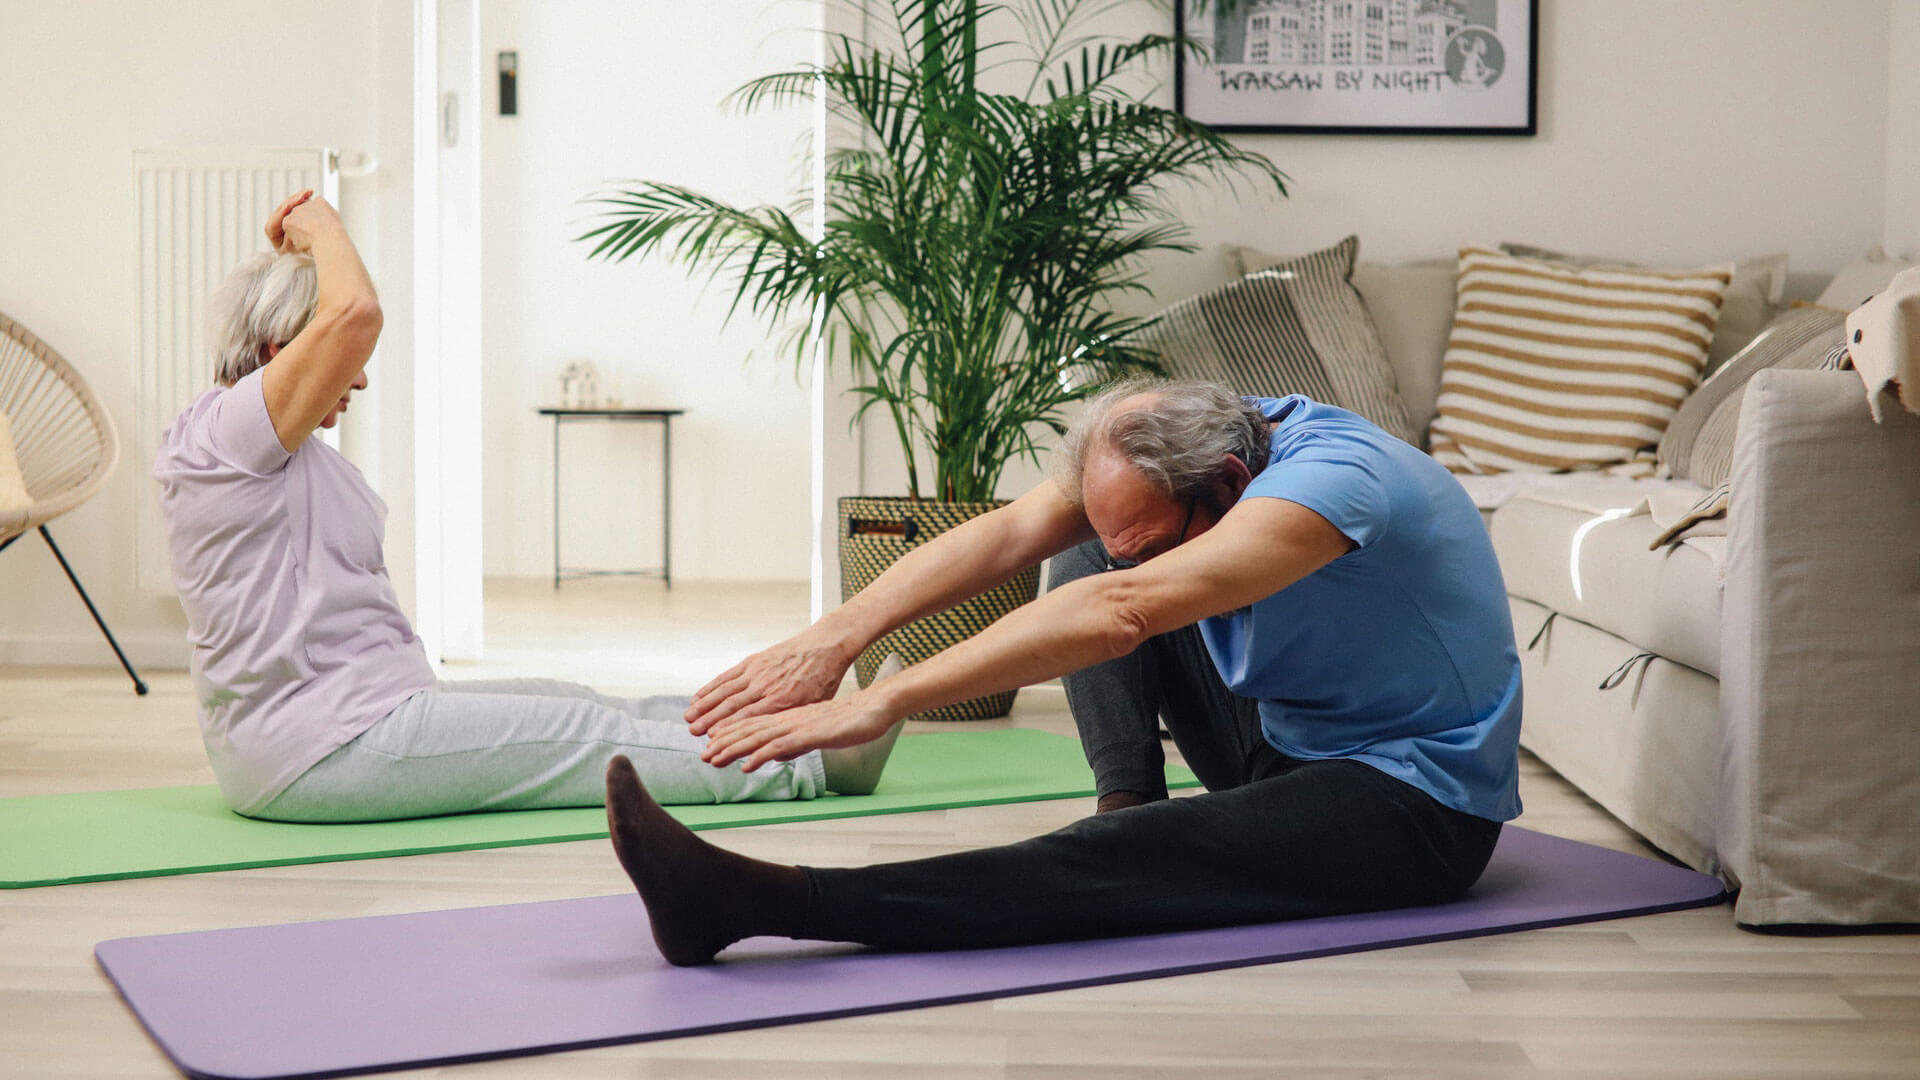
(1861, 279)
(1698, 445)
(1551, 367)
(1756, 290)
(1296, 327)
(1587, 559)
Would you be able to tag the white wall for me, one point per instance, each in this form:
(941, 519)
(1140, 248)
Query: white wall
(609, 90)
(84, 85)
(1668, 132)
(1903, 130)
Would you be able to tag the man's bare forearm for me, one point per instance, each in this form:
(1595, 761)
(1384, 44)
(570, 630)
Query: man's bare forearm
(1072, 627)
(961, 563)
(1259, 550)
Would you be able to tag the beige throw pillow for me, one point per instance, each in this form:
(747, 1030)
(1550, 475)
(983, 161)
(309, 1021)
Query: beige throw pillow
(13, 486)
(1860, 280)
(1412, 306)
(1552, 367)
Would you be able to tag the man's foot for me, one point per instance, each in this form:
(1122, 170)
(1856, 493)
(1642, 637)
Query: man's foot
(700, 898)
(855, 770)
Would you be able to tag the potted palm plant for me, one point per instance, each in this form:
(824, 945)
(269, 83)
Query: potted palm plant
(972, 245)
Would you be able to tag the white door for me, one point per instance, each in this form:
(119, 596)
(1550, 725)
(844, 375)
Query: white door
(447, 327)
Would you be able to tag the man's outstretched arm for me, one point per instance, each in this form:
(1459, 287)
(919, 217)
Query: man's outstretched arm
(1260, 547)
(954, 566)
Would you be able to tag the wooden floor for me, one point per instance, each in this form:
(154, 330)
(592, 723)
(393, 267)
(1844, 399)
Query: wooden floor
(1679, 995)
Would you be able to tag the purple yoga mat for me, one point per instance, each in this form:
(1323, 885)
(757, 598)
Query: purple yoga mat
(401, 991)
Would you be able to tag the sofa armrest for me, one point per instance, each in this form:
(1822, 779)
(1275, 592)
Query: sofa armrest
(1820, 657)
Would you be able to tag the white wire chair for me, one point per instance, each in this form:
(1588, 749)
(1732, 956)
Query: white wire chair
(66, 445)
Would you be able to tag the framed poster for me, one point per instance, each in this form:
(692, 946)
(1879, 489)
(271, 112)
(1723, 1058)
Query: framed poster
(1363, 67)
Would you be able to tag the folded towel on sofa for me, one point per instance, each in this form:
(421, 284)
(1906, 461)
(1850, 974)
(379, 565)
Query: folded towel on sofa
(1883, 337)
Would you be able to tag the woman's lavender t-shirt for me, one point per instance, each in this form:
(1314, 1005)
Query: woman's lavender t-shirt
(299, 644)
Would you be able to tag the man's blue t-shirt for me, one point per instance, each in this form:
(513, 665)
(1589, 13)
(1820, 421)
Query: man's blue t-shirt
(1399, 653)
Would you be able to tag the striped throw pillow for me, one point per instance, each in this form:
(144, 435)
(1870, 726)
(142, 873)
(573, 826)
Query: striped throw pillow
(1296, 327)
(1698, 445)
(1552, 367)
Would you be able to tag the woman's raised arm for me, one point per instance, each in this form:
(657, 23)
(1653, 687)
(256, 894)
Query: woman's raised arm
(308, 376)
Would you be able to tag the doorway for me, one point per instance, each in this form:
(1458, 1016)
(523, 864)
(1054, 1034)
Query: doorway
(506, 299)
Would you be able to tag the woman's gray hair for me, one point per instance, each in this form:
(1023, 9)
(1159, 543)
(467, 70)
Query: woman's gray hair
(267, 300)
(1177, 441)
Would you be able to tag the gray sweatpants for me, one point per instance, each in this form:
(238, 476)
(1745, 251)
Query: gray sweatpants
(523, 744)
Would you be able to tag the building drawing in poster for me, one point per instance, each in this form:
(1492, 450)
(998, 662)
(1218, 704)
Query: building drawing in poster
(1452, 36)
(1454, 67)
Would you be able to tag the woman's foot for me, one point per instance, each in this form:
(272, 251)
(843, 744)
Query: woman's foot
(855, 770)
(700, 898)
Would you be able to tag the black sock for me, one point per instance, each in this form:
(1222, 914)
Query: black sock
(700, 898)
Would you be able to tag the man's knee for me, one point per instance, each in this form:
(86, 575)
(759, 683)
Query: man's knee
(1083, 560)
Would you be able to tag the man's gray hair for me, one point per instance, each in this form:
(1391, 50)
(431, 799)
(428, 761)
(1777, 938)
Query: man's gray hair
(267, 300)
(1177, 441)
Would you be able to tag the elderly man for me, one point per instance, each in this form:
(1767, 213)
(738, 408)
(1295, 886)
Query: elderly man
(1351, 697)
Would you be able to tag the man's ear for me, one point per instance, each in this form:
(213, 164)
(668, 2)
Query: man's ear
(1230, 481)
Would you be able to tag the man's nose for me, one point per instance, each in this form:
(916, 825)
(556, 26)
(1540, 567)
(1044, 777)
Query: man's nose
(360, 382)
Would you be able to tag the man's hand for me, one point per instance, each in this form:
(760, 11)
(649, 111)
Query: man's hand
(783, 736)
(802, 670)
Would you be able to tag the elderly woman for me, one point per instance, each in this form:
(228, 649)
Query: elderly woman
(316, 699)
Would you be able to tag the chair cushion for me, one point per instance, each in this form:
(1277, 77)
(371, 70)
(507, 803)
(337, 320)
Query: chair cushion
(1296, 326)
(1584, 558)
(13, 486)
(1552, 367)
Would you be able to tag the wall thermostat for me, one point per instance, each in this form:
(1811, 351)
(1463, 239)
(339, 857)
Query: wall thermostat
(509, 75)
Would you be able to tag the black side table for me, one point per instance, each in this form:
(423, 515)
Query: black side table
(664, 417)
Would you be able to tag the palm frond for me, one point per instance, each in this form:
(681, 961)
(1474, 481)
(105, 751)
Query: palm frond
(973, 242)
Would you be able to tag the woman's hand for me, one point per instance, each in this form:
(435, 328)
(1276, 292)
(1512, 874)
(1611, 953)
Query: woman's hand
(802, 670)
(306, 216)
(276, 230)
(783, 736)
(310, 376)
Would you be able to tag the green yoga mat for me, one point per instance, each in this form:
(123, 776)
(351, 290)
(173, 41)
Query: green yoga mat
(150, 832)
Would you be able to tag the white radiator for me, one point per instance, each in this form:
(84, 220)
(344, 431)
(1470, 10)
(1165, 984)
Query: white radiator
(199, 212)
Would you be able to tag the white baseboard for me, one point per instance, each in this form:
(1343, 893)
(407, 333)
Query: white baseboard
(156, 652)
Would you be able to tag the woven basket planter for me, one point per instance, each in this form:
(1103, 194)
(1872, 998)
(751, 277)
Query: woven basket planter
(874, 532)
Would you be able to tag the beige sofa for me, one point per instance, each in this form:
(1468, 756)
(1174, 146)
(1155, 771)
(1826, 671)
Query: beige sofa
(1753, 707)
